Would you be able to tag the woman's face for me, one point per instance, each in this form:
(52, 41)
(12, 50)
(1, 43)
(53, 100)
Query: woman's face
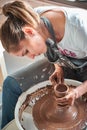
(33, 45)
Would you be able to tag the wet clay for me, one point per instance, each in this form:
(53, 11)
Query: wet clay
(48, 114)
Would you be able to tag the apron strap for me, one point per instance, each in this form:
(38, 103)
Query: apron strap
(53, 53)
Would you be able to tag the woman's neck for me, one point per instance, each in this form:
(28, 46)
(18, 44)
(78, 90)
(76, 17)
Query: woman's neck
(44, 31)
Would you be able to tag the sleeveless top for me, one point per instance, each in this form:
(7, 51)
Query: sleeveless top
(74, 42)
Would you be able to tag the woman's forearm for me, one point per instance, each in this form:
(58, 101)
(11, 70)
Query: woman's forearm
(57, 66)
(82, 89)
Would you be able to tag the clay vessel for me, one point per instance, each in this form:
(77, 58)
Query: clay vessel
(61, 90)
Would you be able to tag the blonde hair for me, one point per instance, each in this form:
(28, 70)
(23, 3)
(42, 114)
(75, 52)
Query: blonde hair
(19, 13)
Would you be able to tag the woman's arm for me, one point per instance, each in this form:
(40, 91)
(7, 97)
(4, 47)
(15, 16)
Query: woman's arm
(75, 93)
(57, 76)
(80, 90)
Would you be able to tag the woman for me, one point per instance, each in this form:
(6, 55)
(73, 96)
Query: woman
(26, 33)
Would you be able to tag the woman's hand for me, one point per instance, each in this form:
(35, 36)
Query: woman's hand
(57, 76)
(74, 94)
(69, 99)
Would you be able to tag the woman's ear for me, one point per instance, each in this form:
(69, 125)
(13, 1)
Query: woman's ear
(28, 30)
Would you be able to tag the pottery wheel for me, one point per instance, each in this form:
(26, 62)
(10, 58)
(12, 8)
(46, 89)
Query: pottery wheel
(48, 116)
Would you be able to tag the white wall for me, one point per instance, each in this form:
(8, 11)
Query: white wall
(13, 63)
(2, 63)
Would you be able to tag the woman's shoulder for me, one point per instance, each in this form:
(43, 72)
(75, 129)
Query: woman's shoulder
(43, 9)
(55, 10)
(51, 12)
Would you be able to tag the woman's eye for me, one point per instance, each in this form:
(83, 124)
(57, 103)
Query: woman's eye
(25, 53)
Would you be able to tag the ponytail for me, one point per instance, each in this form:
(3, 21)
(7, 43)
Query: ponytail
(18, 14)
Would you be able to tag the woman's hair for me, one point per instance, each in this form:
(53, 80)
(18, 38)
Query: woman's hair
(18, 14)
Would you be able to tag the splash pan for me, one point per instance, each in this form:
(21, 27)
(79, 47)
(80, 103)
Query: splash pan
(31, 102)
